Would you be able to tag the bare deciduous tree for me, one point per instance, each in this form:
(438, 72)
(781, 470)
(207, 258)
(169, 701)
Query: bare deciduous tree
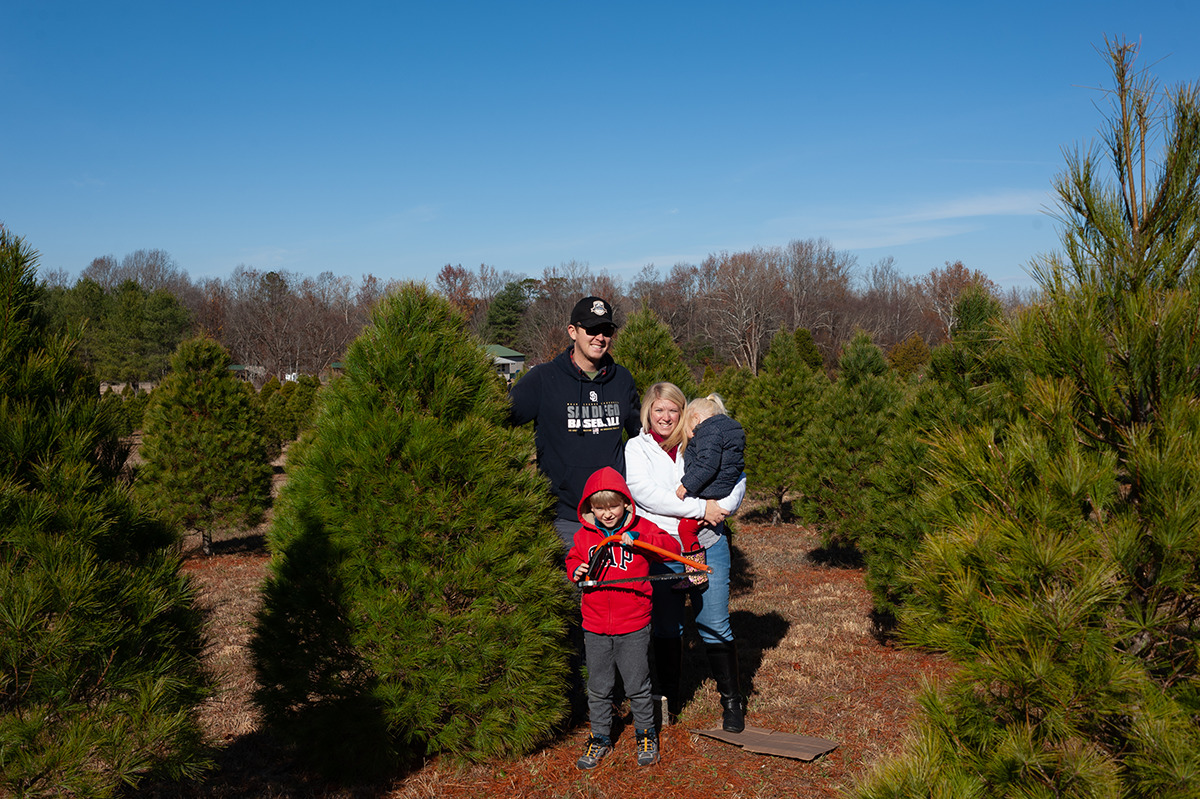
(890, 311)
(819, 283)
(941, 288)
(744, 294)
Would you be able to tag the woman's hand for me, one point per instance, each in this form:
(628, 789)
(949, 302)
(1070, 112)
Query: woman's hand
(714, 514)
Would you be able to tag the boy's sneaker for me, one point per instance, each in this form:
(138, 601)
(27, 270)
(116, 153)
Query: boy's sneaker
(595, 751)
(647, 747)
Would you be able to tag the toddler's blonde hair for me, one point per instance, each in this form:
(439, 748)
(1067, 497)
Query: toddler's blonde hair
(711, 405)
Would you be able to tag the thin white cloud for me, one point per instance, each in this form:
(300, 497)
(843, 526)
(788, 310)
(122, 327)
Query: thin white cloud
(923, 222)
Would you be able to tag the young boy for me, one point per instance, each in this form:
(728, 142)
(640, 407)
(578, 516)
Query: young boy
(714, 458)
(616, 617)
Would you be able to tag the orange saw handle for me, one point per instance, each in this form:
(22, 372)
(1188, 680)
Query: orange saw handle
(666, 553)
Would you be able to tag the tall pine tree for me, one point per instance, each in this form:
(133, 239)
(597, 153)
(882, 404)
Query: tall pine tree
(204, 445)
(1065, 574)
(777, 411)
(100, 639)
(645, 347)
(416, 603)
(849, 444)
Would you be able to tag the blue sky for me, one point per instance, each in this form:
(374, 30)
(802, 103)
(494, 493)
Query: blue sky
(394, 138)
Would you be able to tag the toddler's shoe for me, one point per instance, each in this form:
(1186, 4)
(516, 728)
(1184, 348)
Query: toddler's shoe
(695, 578)
(647, 747)
(596, 749)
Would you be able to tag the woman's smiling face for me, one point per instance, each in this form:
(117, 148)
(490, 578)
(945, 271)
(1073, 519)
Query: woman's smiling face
(664, 415)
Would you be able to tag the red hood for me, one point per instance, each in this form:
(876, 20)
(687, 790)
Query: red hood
(606, 479)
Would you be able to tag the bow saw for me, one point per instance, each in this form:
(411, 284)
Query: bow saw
(610, 540)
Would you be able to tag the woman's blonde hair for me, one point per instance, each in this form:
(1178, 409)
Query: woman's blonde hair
(671, 393)
(708, 406)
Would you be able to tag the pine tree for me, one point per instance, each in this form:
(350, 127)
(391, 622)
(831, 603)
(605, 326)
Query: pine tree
(1065, 574)
(276, 419)
(955, 393)
(732, 384)
(849, 443)
(807, 348)
(301, 403)
(777, 412)
(909, 356)
(645, 347)
(505, 312)
(204, 445)
(100, 639)
(416, 602)
(901, 516)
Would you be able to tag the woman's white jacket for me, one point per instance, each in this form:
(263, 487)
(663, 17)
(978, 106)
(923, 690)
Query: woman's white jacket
(653, 476)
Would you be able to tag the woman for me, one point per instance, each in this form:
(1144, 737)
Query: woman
(653, 467)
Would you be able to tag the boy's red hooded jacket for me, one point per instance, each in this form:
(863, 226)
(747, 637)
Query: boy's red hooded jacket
(624, 607)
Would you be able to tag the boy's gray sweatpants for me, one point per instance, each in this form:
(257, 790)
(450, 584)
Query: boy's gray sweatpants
(630, 653)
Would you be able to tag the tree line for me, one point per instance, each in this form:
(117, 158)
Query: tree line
(130, 314)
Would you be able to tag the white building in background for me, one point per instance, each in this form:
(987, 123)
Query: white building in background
(509, 363)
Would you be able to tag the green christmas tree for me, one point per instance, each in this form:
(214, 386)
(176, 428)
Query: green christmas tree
(909, 357)
(849, 444)
(1064, 576)
(277, 420)
(731, 384)
(301, 403)
(900, 516)
(645, 347)
(416, 603)
(204, 445)
(777, 411)
(807, 348)
(100, 640)
(504, 314)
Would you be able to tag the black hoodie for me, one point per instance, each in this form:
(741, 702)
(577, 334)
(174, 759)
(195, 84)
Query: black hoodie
(577, 422)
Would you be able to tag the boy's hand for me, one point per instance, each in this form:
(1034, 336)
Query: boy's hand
(580, 571)
(627, 539)
(681, 492)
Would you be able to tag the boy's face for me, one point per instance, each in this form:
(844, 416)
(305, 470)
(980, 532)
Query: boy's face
(609, 515)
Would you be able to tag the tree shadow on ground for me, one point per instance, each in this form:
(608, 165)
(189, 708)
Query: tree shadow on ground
(837, 557)
(257, 765)
(255, 542)
(756, 633)
(768, 513)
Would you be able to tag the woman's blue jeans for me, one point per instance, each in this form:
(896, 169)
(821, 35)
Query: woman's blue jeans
(711, 602)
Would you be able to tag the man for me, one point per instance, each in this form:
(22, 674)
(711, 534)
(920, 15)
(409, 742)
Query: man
(578, 403)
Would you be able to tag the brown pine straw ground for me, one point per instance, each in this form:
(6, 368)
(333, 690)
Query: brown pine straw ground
(810, 657)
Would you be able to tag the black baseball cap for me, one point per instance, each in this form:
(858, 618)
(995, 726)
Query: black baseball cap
(592, 312)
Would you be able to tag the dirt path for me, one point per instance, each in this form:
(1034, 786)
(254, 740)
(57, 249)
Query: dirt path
(809, 654)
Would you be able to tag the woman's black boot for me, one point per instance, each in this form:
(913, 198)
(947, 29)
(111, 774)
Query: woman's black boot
(723, 660)
(668, 666)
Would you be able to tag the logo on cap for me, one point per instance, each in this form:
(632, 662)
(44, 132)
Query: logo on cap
(598, 308)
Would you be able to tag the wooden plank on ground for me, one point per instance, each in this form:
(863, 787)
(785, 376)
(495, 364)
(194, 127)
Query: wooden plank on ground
(770, 742)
